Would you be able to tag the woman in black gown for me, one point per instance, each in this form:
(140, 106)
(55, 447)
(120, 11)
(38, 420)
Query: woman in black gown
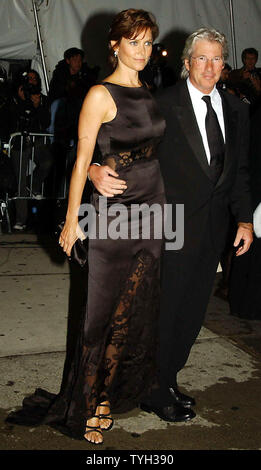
(114, 363)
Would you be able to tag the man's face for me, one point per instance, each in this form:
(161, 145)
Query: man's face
(75, 63)
(32, 78)
(205, 65)
(250, 61)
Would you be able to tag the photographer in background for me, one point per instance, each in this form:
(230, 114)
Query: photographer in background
(5, 97)
(29, 107)
(247, 80)
(224, 81)
(29, 112)
(7, 177)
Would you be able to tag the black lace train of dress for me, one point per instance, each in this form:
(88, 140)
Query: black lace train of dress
(115, 357)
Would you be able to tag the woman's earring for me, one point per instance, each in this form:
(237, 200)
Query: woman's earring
(115, 53)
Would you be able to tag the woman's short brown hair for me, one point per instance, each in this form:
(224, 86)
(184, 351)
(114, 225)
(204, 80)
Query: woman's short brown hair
(129, 24)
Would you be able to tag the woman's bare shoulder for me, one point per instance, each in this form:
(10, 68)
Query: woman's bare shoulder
(96, 99)
(98, 92)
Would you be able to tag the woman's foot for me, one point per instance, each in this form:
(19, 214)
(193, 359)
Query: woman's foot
(93, 433)
(104, 412)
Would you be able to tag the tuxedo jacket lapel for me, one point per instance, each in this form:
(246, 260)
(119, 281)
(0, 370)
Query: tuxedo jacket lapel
(185, 114)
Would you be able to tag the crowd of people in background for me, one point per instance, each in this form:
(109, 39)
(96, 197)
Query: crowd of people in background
(25, 109)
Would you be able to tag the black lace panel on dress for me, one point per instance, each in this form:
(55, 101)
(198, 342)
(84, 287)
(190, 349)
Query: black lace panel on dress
(124, 351)
(127, 158)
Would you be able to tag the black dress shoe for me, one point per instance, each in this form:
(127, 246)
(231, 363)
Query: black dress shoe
(180, 398)
(173, 413)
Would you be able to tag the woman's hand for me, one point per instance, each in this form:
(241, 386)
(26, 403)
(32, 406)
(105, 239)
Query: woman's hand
(68, 236)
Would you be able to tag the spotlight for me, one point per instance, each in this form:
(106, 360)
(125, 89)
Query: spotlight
(159, 50)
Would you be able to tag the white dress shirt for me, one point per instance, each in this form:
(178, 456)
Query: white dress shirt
(257, 221)
(200, 110)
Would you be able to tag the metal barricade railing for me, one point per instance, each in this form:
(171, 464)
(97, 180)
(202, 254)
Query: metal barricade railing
(62, 192)
(53, 192)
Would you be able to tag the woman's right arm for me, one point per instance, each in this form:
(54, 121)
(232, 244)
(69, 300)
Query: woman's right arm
(95, 108)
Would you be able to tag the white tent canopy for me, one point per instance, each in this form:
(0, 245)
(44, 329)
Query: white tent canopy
(85, 23)
(17, 33)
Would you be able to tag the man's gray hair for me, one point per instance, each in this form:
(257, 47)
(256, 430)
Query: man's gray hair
(210, 34)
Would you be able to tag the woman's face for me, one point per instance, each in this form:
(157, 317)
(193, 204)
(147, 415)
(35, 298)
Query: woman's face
(134, 53)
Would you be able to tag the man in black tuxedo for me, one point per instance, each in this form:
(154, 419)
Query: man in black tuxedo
(203, 159)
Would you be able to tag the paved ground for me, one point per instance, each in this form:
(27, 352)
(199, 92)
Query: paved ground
(39, 291)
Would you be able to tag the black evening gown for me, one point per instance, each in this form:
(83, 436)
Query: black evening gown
(115, 357)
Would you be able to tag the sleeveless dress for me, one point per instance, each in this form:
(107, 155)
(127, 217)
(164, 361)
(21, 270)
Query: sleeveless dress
(115, 358)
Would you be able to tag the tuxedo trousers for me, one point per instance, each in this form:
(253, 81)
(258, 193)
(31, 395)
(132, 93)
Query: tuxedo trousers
(187, 281)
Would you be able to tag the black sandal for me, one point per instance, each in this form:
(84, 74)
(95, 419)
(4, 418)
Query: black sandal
(106, 416)
(93, 429)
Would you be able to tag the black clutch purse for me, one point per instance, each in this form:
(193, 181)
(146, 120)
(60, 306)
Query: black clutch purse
(79, 251)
